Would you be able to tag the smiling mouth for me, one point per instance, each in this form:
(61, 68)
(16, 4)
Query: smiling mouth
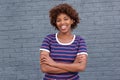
(63, 27)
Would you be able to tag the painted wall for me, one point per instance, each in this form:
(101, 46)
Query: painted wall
(24, 24)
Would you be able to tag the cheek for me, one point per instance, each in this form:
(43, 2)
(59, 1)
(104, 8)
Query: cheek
(71, 22)
(57, 24)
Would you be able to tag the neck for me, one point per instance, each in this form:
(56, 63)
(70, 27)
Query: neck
(65, 35)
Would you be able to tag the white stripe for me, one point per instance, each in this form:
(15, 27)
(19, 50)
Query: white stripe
(82, 53)
(44, 50)
(65, 43)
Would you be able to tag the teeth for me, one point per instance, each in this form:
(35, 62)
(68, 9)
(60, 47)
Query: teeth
(63, 27)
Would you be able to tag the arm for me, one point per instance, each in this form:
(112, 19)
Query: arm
(47, 68)
(78, 65)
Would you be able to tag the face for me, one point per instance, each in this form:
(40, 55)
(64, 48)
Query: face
(64, 23)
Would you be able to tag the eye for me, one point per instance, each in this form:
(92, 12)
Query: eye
(58, 20)
(66, 19)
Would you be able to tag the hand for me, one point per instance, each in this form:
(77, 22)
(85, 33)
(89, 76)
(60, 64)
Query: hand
(47, 60)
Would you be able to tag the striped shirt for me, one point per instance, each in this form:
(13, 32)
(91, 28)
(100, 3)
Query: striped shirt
(63, 52)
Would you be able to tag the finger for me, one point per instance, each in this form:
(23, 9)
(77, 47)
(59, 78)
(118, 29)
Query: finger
(43, 57)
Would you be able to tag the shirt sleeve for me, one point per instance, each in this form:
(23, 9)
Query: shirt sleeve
(45, 44)
(82, 48)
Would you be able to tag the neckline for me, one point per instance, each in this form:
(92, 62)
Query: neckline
(64, 43)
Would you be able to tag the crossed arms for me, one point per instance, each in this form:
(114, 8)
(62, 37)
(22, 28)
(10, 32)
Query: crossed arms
(48, 65)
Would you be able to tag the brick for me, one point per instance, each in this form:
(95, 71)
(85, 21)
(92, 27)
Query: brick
(25, 23)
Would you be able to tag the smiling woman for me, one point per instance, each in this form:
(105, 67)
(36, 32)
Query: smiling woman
(64, 9)
(63, 55)
(64, 23)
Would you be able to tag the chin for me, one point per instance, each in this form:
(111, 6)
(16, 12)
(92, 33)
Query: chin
(63, 32)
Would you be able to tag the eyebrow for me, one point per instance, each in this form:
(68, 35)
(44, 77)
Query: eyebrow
(64, 17)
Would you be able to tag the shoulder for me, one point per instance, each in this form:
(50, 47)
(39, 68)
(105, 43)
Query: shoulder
(79, 38)
(50, 36)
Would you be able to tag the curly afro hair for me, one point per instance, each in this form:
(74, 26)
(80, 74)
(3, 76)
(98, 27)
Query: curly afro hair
(66, 9)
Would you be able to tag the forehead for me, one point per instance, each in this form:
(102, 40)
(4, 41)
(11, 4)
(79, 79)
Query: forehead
(62, 15)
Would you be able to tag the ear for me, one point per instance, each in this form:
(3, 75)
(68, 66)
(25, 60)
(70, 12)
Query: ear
(72, 21)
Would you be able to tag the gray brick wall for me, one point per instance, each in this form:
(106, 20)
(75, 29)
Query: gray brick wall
(24, 24)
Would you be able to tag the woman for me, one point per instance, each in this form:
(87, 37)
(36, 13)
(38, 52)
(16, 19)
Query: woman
(63, 55)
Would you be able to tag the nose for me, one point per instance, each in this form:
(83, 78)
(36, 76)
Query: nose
(62, 22)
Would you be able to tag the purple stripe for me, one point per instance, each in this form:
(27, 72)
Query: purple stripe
(82, 46)
(62, 55)
(64, 51)
(63, 58)
(61, 76)
(62, 47)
